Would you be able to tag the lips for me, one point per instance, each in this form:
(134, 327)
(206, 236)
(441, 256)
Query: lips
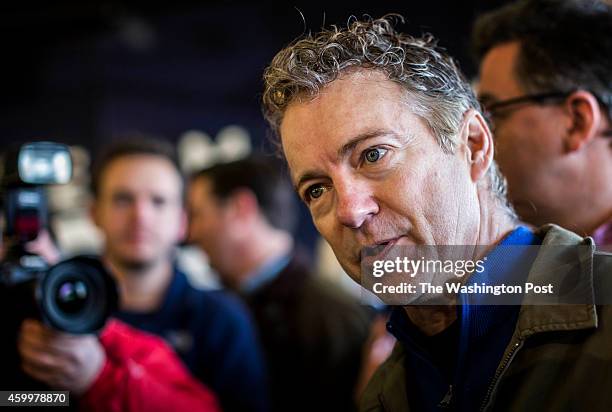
(382, 248)
(138, 237)
(388, 243)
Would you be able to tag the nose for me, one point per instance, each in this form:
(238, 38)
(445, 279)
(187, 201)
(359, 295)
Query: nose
(142, 211)
(355, 203)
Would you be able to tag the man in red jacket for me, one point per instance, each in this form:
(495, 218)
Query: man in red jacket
(123, 370)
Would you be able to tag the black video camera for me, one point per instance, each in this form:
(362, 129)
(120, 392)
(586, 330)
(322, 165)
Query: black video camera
(75, 295)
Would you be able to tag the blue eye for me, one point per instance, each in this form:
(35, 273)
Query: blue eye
(315, 191)
(373, 155)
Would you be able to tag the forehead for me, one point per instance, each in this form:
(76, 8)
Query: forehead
(141, 172)
(497, 72)
(356, 104)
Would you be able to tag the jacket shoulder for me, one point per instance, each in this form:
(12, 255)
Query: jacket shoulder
(386, 390)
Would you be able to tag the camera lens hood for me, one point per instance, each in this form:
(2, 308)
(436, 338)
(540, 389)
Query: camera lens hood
(77, 295)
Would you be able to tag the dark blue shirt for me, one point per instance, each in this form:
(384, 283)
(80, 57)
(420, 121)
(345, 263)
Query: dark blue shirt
(214, 335)
(454, 368)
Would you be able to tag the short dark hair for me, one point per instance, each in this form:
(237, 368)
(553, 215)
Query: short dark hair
(134, 144)
(565, 44)
(266, 177)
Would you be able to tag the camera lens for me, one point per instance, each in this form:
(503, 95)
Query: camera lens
(71, 296)
(77, 295)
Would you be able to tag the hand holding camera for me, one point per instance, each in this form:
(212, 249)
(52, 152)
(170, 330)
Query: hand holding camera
(62, 361)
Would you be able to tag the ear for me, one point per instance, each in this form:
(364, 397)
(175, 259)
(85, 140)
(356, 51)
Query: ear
(478, 142)
(585, 119)
(243, 205)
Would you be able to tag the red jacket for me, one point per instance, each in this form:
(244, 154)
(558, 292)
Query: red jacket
(142, 373)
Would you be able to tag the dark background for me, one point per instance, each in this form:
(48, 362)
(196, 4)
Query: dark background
(84, 72)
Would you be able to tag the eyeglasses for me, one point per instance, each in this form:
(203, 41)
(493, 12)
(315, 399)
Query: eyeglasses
(496, 109)
(539, 98)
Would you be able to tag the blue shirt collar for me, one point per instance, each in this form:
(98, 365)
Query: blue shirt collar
(265, 274)
(503, 265)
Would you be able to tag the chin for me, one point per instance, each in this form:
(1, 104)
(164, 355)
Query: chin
(137, 264)
(136, 258)
(353, 271)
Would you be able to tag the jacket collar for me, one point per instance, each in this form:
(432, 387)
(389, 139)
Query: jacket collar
(562, 252)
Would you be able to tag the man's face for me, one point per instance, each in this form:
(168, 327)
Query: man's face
(371, 172)
(528, 141)
(139, 209)
(210, 224)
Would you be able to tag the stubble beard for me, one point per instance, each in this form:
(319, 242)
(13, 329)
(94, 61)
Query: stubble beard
(136, 266)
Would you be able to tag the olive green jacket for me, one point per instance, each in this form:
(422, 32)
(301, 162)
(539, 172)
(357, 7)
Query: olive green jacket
(558, 359)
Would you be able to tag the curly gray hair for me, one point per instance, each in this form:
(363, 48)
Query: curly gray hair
(435, 89)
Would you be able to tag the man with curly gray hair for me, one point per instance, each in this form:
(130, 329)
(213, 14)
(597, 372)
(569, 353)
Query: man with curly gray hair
(387, 147)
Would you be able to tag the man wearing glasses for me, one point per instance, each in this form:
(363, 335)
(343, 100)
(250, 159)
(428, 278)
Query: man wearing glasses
(546, 85)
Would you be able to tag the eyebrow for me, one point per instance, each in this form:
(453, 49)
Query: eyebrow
(342, 152)
(350, 145)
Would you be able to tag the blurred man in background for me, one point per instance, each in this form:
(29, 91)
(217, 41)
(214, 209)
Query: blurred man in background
(546, 86)
(138, 205)
(241, 214)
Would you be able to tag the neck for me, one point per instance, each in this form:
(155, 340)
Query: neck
(141, 290)
(265, 244)
(582, 218)
(431, 320)
(607, 220)
(585, 202)
(588, 227)
(494, 223)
